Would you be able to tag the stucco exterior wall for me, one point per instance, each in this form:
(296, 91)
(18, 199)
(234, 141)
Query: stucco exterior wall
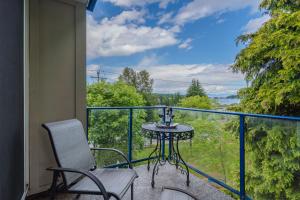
(57, 43)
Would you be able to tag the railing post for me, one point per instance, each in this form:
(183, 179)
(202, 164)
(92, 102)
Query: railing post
(164, 115)
(170, 143)
(163, 136)
(242, 158)
(87, 123)
(130, 135)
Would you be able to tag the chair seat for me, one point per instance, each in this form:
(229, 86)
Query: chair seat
(115, 181)
(174, 195)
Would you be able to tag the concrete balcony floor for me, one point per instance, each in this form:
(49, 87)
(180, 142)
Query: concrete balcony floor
(167, 176)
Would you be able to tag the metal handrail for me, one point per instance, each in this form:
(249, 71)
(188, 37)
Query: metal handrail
(292, 118)
(125, 107)
(241, 192)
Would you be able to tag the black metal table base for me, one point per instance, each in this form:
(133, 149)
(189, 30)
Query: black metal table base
(174, 157)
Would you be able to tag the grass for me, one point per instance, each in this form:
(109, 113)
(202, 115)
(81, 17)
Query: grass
(213, 150)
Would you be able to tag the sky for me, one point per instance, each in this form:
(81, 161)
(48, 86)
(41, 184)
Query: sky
(175, 40)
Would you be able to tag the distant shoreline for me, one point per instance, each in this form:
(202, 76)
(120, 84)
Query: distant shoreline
(227, 101)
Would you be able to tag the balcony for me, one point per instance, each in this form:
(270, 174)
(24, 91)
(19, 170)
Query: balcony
(219, 156)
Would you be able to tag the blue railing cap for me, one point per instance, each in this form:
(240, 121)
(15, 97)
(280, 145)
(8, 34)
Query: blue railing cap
(200, 110)
(241, 114)
(125, 107)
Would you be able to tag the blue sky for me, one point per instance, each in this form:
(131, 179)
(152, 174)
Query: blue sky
(174, 40)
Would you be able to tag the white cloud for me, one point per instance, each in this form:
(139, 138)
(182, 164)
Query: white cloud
(106, 73)
(175, 29)
(149, 60)
(92, 69)
(220, 20)
(120, 36)
(254, 24)
(131, 3)
(215, 78)
(186, 44)
(130, 16)
(197, 9)
(165, 18)
(165, 3)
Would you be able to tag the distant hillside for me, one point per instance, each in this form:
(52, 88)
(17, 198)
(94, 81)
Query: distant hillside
(228, 97)
(168, 95)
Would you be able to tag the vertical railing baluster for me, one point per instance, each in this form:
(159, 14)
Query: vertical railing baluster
(242, 158)
(130, 134)
(163, 136)
(164, 114)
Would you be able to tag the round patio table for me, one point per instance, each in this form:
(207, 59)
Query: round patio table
(177, 133)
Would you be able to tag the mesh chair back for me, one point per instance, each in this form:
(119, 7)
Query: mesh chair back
(70, 147)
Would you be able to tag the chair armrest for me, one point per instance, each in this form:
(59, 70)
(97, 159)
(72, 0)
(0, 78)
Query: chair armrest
(114, 150)
(88, 174)
(179, 190)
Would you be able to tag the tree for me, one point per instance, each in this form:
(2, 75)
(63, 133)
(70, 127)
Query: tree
(108, 128)
(195, 89)
(196, 102)
(113, 94)
(140, 80)
(271, 63)
(169, 99)
(143, 84)
(273, 6)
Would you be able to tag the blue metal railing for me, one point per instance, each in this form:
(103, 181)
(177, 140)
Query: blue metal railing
(241, 192)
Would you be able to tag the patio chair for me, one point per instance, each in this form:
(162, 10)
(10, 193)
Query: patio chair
(77, 166)
(172, 193)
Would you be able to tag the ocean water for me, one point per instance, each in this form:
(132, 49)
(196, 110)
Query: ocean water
(228, 101)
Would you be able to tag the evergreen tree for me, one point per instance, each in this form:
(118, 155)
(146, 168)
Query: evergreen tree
(195, 89)
(271, 63)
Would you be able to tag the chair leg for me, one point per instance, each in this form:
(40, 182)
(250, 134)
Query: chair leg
(131, 190)
(52, 190)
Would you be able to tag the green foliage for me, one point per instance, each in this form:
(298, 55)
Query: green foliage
(143, 84)
(195, 89)
(282, 5)
(213, 150)
(115, 94)
(169, 99)
(271, 63)
(140, 80)
(273, 160)
(196, 102)
(108, 128)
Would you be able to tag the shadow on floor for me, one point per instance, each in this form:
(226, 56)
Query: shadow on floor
(167, 176)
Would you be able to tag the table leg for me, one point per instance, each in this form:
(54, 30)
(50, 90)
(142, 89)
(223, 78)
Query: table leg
(186, 167)
(170, 146)
(163, 146)
(175, 154)
(155, 168)
(155, 149)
